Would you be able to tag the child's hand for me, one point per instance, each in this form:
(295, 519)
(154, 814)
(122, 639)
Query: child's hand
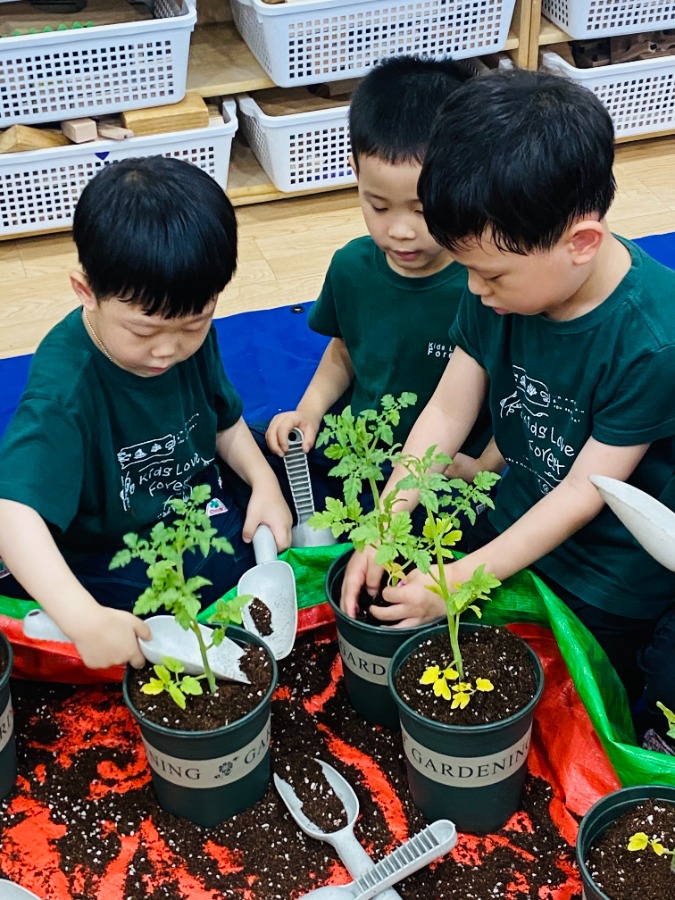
(361, 571)
(268, 507)
(282, 425)
(411, 602)
(463, 466)
(109, 637)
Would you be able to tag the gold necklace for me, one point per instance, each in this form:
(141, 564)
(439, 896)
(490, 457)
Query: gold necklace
(95, 336)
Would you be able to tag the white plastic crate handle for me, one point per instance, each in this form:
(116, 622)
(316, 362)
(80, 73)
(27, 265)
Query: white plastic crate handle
(248, 106)
(230, 110)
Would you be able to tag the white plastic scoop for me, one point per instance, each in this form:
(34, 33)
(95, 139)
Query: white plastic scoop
(168, 639)
(650, 522)
(11, 891)
(297, 469)
(352, 854)
(273, 582)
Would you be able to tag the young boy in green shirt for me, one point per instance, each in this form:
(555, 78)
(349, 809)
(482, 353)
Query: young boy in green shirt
(127, 406)
(389, 298)
(569, 330)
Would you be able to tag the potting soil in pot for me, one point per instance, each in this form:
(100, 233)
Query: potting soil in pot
(84, 823)
(625, 874)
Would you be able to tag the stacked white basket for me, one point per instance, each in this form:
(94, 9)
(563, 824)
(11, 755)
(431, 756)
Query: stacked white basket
(77, 73)
(330, 40)
(640, 95)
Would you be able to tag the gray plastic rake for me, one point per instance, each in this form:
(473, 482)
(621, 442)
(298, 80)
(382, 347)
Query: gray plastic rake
(300, 481)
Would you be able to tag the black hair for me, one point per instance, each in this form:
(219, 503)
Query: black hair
(393, 109)
(158, 232)
(520, 153)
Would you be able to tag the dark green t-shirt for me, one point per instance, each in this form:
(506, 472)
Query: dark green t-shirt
(609, 375)
(97, 450)
(395, 329)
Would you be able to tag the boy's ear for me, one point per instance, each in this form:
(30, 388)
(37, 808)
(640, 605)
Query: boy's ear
(353, 166)
(585, 238)
(83, 291)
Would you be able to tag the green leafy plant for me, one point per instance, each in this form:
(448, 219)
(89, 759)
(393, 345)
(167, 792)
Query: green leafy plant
(163, 551)
(363, 445)
(364, 449)
(640, 841)
(444, 500)
(169, 678)
(670, 716)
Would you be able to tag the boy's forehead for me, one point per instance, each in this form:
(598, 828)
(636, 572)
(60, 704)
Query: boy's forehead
(134, 313)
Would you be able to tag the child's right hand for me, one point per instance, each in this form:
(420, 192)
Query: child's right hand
(282, 425)
(361, 571)
(107, 637)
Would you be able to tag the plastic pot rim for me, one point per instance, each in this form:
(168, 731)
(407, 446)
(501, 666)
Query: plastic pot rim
(365, 627)
(404, 651)
(244, 637)
(609, 800)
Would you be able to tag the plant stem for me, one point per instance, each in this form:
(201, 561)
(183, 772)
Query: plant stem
(453, 621)
(210, 678)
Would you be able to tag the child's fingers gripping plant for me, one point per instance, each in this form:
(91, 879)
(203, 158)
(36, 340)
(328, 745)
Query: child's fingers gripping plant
(444, 500)
(164, 551)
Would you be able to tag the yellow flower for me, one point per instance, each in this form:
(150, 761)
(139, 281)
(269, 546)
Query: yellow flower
(484, 684)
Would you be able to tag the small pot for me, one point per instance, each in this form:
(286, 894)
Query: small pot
(603, 814)
(366, 652)
(7, 736)
(210, 776)
(471, 774)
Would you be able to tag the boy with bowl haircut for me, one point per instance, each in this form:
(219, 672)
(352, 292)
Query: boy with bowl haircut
(128, 406)
(388, 298)
(569, 330)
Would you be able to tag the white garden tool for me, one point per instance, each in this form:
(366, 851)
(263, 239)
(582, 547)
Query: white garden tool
(272, 581)
(299, 479)
(168, 639)
(371, 879)
(11, 891)
(650, 522)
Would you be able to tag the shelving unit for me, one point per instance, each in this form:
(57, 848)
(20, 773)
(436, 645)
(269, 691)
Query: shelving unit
(221, 64)
(547, 34)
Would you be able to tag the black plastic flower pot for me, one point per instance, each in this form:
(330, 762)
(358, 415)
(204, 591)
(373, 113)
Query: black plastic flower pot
(210, 776)
(601, 816)
(7, 737)
(473, 775)
(366, 652)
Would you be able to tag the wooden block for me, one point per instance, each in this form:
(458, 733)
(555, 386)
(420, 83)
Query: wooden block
(112, 132)
(79, 131)
(23, 137)
(336, 88)
(191, 112)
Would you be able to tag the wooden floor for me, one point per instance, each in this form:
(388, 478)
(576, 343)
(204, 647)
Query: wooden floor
(286, 246)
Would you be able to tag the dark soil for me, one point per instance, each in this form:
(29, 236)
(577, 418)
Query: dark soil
(84, 822)
(262, 617)
(232, 700)
(636, 874)
(492, 653)
(320, 803)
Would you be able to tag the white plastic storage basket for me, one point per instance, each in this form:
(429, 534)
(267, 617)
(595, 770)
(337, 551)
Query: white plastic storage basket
(108, 68)
(604, 18)
(640, 96)
(302, 150)
(40, 188)
(330, 40)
